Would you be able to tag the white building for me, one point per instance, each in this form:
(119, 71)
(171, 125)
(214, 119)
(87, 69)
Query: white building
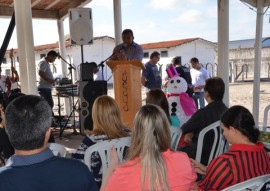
(204, 50)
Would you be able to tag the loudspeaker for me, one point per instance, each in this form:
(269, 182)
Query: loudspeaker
(87, 71)
(88, 92)
(81, 26)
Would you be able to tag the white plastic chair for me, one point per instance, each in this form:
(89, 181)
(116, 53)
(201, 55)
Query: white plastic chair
(176, 134)
(265, 117)
(103, 148)
(254, 184)
(219, 142)
(58, 149)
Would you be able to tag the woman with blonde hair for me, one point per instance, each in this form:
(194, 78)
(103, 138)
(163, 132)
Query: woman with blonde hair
(107, 125)
(151, 164)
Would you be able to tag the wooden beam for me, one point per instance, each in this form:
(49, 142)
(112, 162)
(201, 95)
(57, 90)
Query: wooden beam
(35, 3)
(6, 11)
(52, 4)
(73, 4)
(45, 14)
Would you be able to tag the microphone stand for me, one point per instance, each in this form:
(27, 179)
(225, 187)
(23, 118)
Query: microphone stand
(70, 67)
(102, 65)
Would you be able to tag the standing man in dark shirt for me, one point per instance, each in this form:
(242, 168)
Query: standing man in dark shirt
(184, 72)
(151, 78)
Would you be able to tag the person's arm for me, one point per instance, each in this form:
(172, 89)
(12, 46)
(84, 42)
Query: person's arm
(143, 81)
(195, 122)
(139, 53)
(2, 125)
(17, 78)
(114, 162)
(219, 175)
(44, 76)
(199, 168)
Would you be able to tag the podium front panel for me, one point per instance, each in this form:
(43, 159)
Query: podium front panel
(127, 87)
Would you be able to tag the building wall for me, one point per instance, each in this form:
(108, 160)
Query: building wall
(205, 52)
(244, 57)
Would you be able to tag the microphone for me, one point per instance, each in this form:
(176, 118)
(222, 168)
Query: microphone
(58, 55)
(123, 46)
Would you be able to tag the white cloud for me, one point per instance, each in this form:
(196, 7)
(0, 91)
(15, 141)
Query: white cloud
(167, 5)
(107, 4)
(190, 16)
(174, 4)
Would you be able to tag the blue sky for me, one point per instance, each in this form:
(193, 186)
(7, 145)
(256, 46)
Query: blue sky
(157, 20)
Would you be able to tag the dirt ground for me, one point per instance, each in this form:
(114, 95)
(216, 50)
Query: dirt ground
(240, 93)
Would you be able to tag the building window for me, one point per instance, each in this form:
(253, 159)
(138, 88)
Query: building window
(42, 55)
(18, 60)
(146, 54)
(164, 53)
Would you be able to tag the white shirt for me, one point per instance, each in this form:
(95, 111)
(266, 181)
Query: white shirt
(3, 83)
(198, 77)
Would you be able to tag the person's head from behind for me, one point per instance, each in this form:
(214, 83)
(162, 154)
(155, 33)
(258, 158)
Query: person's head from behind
(127, 37)
(177, 61)
(214, 89)
(195, 63)
(106, 118)
(238, 125)
(154, 57)
(151, 136)
(51, 56)
(157, 97)
(28, 120)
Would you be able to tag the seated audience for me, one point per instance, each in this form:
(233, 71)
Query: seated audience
(245, 160)
(151, 164)
(33, 166)
(6, 148)
(107, 125)
(157, 97)
(214, 91)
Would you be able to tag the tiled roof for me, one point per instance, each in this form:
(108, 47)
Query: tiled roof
(167, 44)
(56, 45)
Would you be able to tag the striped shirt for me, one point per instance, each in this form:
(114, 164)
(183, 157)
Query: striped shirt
(241, 163)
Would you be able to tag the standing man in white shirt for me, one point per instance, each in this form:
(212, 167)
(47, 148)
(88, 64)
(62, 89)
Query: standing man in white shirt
(46, 79)
(198, 75)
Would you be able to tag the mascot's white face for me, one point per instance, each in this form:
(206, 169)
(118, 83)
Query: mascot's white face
(177, 84)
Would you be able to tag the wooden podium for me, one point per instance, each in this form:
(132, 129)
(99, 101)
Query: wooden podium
(127, 87)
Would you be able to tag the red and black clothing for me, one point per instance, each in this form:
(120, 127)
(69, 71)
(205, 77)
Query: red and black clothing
(241, 163)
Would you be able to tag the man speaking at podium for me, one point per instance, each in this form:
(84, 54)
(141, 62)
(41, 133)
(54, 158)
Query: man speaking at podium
(128, 50)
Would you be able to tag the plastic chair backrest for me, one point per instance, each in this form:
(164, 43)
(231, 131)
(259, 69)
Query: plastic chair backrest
(224, 146)
(103, 148)
(218, 143)
(176, 134)
(265, 117)
(254, 184)
(58, 149)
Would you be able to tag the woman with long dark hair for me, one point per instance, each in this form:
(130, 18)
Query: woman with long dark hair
(245, 160)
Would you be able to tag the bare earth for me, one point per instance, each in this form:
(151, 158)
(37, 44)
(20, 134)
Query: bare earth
(240, 94)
